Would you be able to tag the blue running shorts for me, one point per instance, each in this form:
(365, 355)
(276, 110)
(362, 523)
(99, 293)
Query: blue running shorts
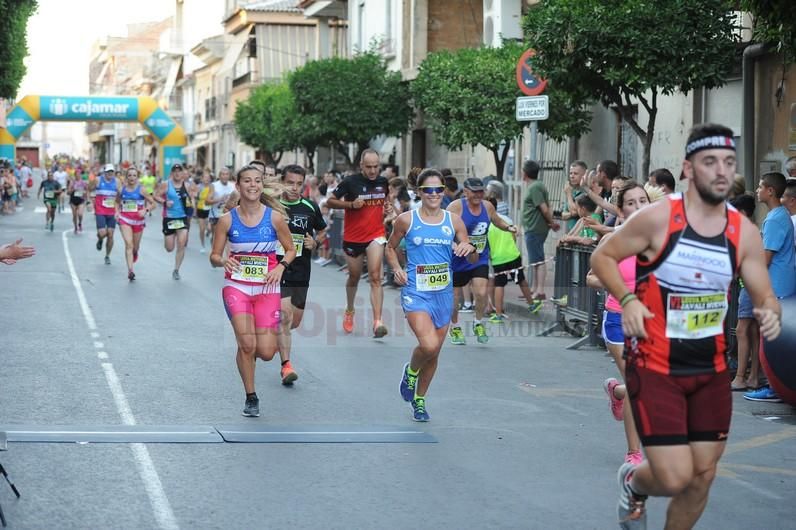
(612, 328)
(437, 305)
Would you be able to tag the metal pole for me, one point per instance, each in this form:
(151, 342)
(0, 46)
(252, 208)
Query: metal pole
(534, 140)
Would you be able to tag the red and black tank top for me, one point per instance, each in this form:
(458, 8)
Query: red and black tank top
(686, 286)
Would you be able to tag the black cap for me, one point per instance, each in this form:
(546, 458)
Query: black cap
(473, 184)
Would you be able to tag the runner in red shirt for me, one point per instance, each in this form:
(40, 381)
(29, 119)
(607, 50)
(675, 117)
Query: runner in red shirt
(688, 249)
(362, 197)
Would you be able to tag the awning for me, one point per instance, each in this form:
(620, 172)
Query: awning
(188, 149)
(325, 8)
(235, 49)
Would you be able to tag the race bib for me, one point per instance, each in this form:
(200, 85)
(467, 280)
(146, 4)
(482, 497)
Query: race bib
(298, 242)
(252, 269)
(479, 242)
(175, 224)
(78, 193)
(130, 206)
(49, 194)
(434, 277)
(695, 316)
(109, 202)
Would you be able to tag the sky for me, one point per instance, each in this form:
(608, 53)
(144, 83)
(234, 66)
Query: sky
(61, 33)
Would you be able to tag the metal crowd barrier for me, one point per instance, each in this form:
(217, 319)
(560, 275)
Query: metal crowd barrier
(335, 235)
(579, 308)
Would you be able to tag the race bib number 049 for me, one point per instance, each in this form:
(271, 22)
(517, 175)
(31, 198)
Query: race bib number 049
(695, 316)
(434, 277)
(252, 269)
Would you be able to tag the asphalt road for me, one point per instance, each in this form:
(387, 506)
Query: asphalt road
(524, 435)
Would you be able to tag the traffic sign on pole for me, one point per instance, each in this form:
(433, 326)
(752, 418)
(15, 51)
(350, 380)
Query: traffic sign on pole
(530, 84)
(532, 108)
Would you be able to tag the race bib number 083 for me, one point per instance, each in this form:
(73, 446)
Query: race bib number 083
(252, 269)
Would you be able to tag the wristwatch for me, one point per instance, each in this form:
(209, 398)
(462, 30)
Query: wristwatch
(284, 263)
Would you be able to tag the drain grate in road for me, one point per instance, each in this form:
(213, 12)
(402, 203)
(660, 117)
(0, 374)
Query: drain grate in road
(777, 416)
(251, 433)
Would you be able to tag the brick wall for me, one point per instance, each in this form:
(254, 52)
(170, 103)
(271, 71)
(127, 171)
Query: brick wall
(454, 24)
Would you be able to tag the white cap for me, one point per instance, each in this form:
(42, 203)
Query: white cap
(108, 167)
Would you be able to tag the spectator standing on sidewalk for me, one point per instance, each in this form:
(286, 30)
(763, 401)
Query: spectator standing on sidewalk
(663, 178)
(537, 220)
(572, 190)
(789, 202)
(777, 234)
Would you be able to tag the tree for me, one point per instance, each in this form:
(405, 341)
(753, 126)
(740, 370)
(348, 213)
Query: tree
(13, 43)
(257, 125)
(621, 51)
(351, 101)
(469, 97)
(774, 22)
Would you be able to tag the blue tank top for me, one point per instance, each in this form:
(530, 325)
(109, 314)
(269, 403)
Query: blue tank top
(177, 208)
(428, 255)
(132, 201)
(477, 228)
(254, 247)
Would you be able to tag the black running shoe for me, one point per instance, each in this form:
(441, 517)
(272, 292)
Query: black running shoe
(252, 408)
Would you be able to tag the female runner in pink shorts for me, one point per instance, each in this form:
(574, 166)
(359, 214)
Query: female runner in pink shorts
(252, 274)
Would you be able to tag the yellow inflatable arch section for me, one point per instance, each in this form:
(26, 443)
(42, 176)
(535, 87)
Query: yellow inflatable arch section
(143, 109)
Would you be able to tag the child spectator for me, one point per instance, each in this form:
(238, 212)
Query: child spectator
(581, 234)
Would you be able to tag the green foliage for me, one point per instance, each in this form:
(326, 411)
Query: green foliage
(14, 15)
(259, 120)
(346, 101)
(469, 95)
(774, 22)
(615, 50)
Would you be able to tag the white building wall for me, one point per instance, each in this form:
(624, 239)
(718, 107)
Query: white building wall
(379, 21)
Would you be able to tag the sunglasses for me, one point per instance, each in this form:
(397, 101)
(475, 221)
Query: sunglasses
(431, 190)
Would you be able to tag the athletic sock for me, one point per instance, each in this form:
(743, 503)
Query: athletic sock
(476, 321)
(285, 362)
(252, 395)
(411, 372)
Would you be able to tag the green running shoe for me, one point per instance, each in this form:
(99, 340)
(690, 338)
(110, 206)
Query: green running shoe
(457, 336)
(496, 318)
(480, 333)
(535, 306)
(419, 409)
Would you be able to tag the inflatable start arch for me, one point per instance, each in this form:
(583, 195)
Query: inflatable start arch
(143, 109)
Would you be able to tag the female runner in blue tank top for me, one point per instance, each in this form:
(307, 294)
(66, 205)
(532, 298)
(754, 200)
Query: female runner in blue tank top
(252, 274)
(433, 237)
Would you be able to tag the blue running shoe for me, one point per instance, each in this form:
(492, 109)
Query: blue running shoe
(408, 382)
(763, 394)
(419, 409)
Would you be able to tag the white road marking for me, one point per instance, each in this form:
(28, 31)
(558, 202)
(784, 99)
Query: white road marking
(102, 354)
(39, 209)
(98, 344)
(95, 335)
(146, 468)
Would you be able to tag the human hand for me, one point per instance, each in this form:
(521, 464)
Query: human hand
(463, 249)
(400, 277)
(309, 243)
(232, 265)
(634, 313)
(10, 253)
(356, 204)
(274, 275)
(769, 322)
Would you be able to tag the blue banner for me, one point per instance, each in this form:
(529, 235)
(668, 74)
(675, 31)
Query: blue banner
(172, 154)
(6, 152)
(160, 123)
(89, 108)
(18, 121)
